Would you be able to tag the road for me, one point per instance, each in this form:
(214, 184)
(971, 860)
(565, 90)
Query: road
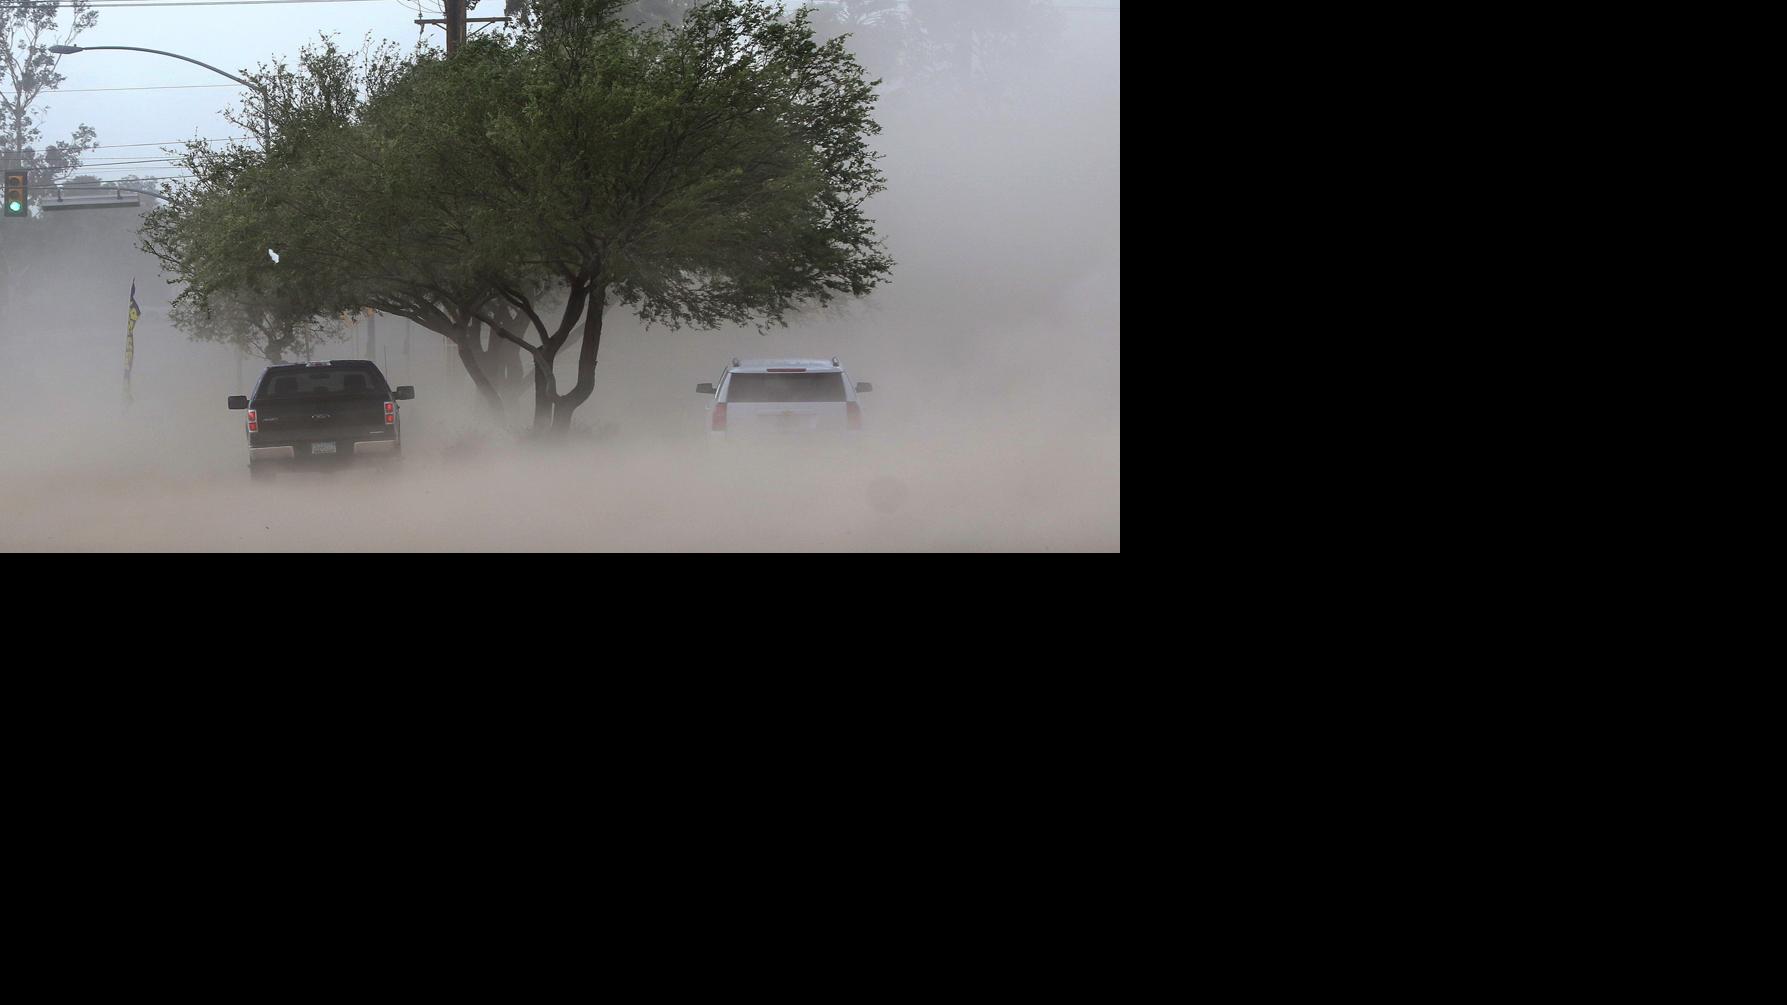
(159, 478)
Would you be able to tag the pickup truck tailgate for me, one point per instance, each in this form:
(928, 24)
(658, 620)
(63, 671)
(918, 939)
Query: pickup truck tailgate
(322, 417)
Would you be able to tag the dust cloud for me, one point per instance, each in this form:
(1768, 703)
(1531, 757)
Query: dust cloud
(994, 424)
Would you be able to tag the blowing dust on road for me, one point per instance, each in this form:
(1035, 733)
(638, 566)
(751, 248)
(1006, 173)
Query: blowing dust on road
(168, 476)
(994, 423)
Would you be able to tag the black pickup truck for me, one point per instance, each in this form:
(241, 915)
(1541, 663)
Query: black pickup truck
(312, 409)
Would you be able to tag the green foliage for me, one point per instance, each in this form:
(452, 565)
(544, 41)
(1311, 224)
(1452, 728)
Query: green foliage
(708, 170)
(215, 236)
(27, 69)
(268, 329)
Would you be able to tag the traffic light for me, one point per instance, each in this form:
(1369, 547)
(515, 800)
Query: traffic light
(16, 190)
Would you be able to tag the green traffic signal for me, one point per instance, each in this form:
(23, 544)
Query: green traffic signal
(16, 189)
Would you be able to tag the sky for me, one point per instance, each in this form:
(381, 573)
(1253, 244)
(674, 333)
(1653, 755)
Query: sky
(189, 99)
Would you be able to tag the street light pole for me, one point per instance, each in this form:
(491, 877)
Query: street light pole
(266, 110)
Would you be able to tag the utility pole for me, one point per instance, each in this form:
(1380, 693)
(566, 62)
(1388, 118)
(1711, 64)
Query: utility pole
(455, 23)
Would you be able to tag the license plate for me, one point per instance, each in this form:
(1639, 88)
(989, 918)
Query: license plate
(323, 448)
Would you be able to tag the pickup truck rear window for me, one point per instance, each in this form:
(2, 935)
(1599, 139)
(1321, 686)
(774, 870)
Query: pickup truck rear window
(299, 383)
(758, 387)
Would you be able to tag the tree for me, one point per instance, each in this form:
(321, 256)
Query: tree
(27, 69)
(367, 219)
(314, 196)
(977, 52)
(393, 222)
(713, 171)
(236, 290)
(267, 329)
(880, 32)
(27, 30)
(653, 13)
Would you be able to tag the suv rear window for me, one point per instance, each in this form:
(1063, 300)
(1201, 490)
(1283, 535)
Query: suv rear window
(320, 380)
(754, 387)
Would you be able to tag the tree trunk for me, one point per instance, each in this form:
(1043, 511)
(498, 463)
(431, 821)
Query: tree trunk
(586, 367)
(467, 343)
(546, 397)
(505, 362)
(464, 337)
(501, 360)
(545, 390)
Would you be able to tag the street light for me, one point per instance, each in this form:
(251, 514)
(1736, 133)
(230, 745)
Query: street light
(266, 115)
(266, 112)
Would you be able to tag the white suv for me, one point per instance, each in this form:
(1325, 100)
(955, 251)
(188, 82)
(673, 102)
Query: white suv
(784, 396)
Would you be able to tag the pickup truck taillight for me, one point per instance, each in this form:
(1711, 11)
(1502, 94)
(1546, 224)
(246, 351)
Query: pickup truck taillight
(720, 416)
(390, 414)
(855, 412)
(253, 426)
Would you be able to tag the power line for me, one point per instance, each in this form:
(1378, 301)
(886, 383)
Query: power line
(167, 143)
(144, 87)
(189, 3)
(89, 167)
(122, 163)
(96, 180)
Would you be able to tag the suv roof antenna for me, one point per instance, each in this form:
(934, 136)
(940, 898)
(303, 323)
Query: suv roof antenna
(834, 361)
(735, 361)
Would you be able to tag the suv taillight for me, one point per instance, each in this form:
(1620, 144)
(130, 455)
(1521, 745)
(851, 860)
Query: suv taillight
(253, 426)
(855, 411)
(390, 413)
(720, 415)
